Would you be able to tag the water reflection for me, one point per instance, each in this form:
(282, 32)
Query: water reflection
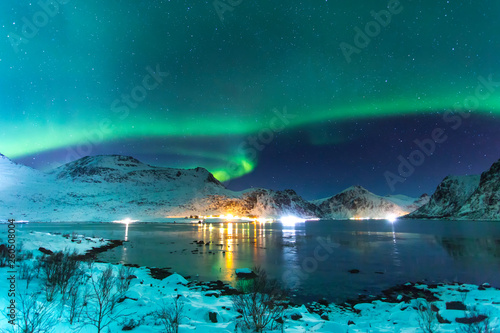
(395, 253)
(405, 251)
(462, 247)
(290, 256)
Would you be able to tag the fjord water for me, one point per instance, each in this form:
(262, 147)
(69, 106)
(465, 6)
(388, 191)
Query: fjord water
(312, 258)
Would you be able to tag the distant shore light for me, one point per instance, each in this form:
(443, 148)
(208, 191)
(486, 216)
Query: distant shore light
(291, 220)
(126, 221)
(391, 218)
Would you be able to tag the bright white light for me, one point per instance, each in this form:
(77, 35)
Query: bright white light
(291, 220)
(126, 221)
(391, 218)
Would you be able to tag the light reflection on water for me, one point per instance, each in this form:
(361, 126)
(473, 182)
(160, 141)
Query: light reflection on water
(385, 253)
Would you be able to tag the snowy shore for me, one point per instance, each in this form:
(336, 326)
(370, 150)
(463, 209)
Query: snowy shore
(208, 309)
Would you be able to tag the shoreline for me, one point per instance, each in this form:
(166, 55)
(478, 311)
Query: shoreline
(196, 221)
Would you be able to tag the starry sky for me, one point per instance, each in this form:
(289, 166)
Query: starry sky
(311, 95)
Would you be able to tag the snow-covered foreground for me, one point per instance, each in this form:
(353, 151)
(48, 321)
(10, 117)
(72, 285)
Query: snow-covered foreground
(201, 307)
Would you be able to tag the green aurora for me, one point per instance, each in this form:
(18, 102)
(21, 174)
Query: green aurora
(63, 88)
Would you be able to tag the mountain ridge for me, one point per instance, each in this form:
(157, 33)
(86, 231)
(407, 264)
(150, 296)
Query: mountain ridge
(469, 197)
(111, 187)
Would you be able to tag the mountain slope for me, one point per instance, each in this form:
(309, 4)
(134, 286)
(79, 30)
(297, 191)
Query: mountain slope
(484, 203)
(357, 202)
(102, 188)
(408, 204)
(470, 197)
(126, 169)
(257, 202)
(450, 194)
(20, 187)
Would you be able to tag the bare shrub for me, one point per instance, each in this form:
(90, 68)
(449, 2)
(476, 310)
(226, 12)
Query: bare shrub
(124, 278)
(19, 251)
(475, 322)
(103, 297)
(463, 294)
(4, 255)
(28, 255)
(128, 325)
(37, 266)
(58, 268)
(427, 318)
(50, 291)
(25, 255)
(262, 302)
(76, 302)
(34, 316)
(170, 315)
(74, 282)
(26, 272)
(74, 299)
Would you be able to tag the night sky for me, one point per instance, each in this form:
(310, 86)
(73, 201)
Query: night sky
(311, 95)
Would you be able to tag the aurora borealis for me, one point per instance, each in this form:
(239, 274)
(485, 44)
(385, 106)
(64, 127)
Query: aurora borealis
(257, 92)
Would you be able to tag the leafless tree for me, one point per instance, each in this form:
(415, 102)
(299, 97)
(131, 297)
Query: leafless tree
(463, 295)
(4, 255)
(50, 291)
(77, 299)
(262, 302)
(59, 268)
(34, 316)
(103, 297)
(124, 278)
(475, 322)
(427, 318)
(74, 298)
(170, 315)
(26, 272)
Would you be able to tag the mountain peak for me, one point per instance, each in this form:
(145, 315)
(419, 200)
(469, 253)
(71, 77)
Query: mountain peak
(111, 167)
(355, 188)
(6, 159)
(450, 195)
(493, 170)
(109, 161)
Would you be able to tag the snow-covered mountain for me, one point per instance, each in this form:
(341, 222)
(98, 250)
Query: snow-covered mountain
(450, 194)
(13, 173)
(20, 187)
(471, 197)
(484, 203)
(259, 202)
(101, 188)
(408, 204)
(113, 187)
(357, 202)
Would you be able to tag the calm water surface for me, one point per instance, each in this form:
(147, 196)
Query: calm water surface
(312, 258)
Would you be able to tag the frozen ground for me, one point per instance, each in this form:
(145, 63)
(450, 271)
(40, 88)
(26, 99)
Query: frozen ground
(146, 295)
